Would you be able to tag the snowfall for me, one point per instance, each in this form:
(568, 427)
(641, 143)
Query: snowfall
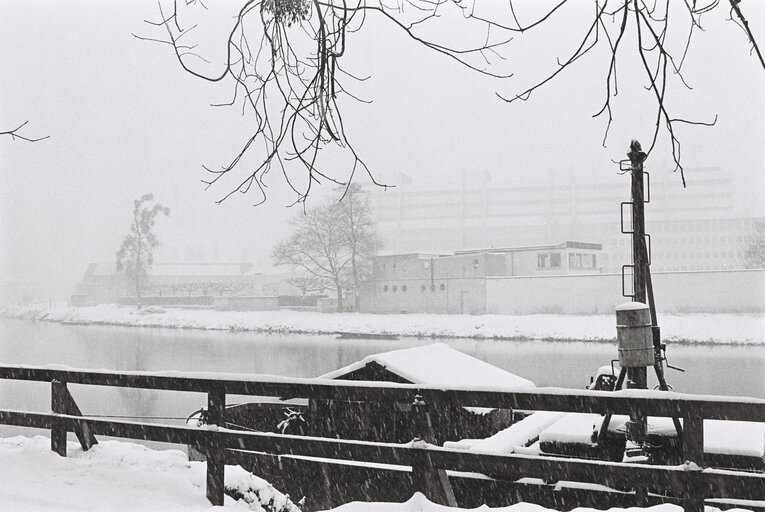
(118, 476)
(691, 328)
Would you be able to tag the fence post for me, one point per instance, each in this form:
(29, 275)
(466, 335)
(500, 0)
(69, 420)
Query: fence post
(693, 453)
(432, 482)
(58, 406)
(216, 464)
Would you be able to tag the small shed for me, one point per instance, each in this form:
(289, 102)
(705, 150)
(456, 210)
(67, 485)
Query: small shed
(431, 365)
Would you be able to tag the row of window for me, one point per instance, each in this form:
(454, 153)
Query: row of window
(395, 288)
(551, 260)
(575, 260)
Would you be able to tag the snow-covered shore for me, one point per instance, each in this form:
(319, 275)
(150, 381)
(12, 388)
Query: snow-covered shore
(692, 328)
(118, 476)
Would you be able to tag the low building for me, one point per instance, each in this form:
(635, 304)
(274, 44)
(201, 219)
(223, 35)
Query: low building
(456, 282)
(215, 282)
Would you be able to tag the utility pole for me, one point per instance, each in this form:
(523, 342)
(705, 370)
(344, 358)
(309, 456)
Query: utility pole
(638, 376)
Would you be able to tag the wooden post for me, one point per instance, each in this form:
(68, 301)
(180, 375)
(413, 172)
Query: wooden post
(693, 453)
(431, 481)
(216, 468)
(638, 375)
(57, 406)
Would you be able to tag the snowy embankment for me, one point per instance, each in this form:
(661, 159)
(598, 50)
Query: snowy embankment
(695, 328)
(118, 476)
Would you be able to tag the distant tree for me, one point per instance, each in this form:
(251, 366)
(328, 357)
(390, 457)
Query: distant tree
(361, 235)
(754, 253)
(308, 283)
(332, 243)
(136, 256)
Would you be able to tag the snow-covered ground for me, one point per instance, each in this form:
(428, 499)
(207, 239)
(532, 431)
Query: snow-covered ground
(697, 328)
(116, 476)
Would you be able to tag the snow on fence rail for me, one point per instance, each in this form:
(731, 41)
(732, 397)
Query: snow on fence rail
(691, 481)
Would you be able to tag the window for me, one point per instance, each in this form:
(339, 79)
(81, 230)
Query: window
(541, 260)
(395, 288)
(422, 288)
(442, 287)
(403, 288)
(555, 260)
(385, 288)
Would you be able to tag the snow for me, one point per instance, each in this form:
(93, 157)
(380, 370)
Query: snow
(741, 438)
(419, 503)
(631, 306)
(437, 364)
(698, 328)
(116, 476)
(512, 438)
(734, 438)
(744, 438)
(573, 428)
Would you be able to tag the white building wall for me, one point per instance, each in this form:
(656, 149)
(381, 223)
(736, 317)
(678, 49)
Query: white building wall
(725, 291)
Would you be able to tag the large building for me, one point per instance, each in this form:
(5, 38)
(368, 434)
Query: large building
(700, 227)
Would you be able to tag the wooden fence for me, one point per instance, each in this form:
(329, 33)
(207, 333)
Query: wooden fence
(692, 482)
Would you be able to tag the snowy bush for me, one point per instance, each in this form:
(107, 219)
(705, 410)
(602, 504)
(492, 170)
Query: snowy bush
(260, 495)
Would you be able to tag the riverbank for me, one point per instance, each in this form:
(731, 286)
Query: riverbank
(691, 328)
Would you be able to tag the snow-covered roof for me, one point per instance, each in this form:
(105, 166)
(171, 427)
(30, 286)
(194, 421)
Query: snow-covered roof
(181, 269)
(439, 365)
(200, 269)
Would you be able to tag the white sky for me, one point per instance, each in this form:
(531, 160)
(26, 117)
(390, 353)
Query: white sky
(124, 119)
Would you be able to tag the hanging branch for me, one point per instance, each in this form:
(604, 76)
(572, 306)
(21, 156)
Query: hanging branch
(284, 61)
(744, 24)
(14, 134)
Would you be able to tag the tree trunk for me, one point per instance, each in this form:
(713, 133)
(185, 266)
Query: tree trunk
(339, 296)
(138, 269)
(138, 289)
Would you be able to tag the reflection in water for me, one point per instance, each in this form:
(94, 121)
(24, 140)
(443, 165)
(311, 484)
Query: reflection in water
(723, 370)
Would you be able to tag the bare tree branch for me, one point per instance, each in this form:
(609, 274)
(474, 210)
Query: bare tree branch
(284, 62)
(14, 134)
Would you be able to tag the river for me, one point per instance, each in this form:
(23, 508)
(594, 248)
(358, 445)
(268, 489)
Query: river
(737, 370)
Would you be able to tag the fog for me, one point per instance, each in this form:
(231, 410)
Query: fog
(124, 119)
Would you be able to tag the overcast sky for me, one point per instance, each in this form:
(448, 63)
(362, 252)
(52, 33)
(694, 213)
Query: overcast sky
(124, 119)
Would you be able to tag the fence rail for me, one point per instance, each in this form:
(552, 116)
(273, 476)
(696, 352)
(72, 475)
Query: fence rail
(689, 481)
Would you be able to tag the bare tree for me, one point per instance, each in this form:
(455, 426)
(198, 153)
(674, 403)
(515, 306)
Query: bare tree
(284, 58)
(317, 247)
(15, 134)
(754, 250)
(360, 234)
(332, 244)
(136, 255)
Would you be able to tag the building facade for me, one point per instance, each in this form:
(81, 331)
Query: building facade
(456, 283)
(701, 227)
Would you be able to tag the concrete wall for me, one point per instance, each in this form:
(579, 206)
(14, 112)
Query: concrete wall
(730, 291)
(247, 303)
(458, 295)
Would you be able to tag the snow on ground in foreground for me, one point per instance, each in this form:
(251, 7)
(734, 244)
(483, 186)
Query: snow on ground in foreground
(703, 328)
(419, 503)
(118, 476)
(113, 476)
